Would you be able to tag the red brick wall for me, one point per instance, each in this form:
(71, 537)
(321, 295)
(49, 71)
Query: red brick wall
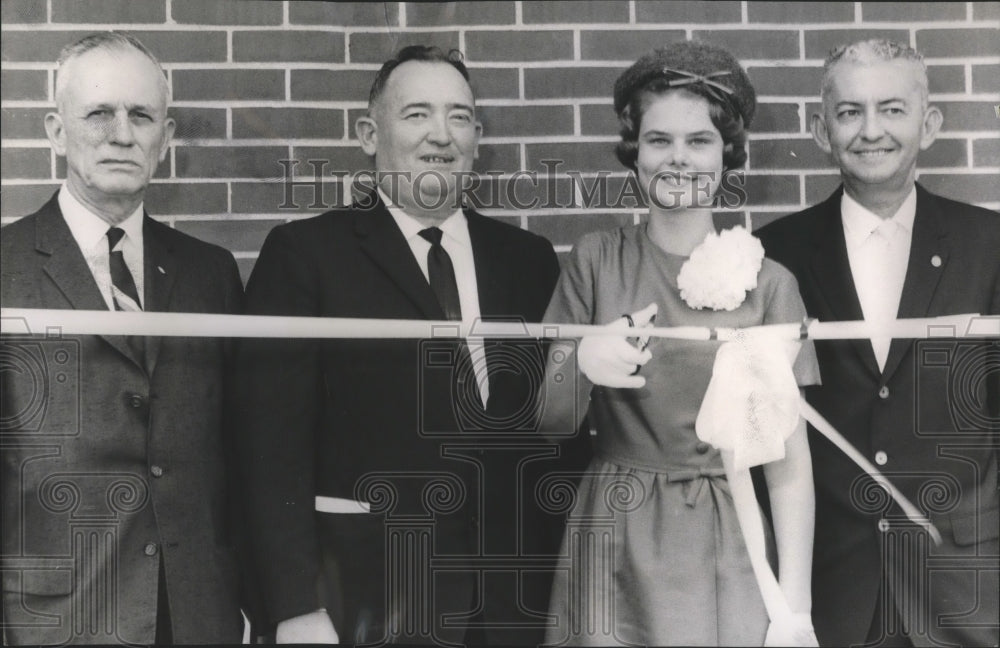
(256, 82)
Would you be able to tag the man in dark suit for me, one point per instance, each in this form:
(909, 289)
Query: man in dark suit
(925, 412)
(115, 513)
(391, 481)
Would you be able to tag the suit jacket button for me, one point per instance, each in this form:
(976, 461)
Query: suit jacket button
(150, 549)
(881, 458)
(701, 447)
(156, 471)
(883, 525)
(883, 393)
(136, 401)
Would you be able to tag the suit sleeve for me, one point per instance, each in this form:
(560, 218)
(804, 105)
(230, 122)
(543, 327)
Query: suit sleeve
(239, 532)
(278, 400)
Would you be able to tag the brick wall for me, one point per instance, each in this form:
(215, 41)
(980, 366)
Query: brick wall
(257, 82)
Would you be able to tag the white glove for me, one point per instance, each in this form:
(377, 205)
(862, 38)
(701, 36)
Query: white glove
(312, 628)
(610, 360)
(793, 630)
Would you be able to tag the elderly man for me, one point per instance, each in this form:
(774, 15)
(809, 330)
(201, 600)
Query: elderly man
(114, 475)
(925, 412)
(386, 475)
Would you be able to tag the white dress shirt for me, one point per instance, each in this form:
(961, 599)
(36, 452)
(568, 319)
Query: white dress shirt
(457, 243)
(878, 250)
(90, 232)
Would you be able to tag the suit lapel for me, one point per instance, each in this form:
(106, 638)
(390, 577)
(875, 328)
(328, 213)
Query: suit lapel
(384, 244)
(69, 271)
(160, 272)
(831, 272)
(929, 242)
(492, 281)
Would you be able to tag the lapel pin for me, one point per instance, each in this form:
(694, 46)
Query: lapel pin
(936, 261)
(162, 271)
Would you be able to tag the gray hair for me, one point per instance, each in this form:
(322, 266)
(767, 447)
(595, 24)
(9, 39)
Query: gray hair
(873, 51)
(109, 41)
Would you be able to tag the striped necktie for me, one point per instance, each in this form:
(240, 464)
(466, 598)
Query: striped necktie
(124, 293)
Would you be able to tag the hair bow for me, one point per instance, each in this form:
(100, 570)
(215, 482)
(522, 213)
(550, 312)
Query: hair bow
(688, 78)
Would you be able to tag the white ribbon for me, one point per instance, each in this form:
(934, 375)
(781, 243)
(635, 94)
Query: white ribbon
(824, 427)
(751, 405)
(41, 321)
(747, 411)
(750, 408)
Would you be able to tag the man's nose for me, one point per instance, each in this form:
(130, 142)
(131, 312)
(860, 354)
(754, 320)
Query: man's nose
(871, 127)
(121, 131)
(438, 130)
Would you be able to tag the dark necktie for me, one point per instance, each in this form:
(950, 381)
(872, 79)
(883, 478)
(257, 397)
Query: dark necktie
(441, 274)
(124, 293)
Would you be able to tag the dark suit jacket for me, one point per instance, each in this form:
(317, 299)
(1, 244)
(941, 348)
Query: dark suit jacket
(377, 420)
(108, 465)
(929, 411)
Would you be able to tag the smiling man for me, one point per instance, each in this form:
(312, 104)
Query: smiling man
(116, 524)
(925, 412)
(384, 475)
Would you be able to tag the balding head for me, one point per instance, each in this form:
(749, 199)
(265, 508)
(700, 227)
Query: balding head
(108, 41)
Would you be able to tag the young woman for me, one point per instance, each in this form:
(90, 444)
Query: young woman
(654, 553)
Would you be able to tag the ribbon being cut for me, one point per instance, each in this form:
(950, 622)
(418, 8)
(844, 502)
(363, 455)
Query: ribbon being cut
(750, 408)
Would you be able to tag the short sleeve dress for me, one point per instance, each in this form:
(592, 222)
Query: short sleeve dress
(653, 553)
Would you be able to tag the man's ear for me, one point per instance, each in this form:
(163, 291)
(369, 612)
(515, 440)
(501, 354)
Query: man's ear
(817, 125)
(56, 132)
(169, 126)
(367, 132)
(932, 124)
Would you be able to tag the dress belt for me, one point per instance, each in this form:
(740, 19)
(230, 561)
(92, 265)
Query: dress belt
(698, 477)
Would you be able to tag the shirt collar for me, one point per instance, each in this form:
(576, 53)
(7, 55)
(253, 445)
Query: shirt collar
(88, 228)
(859, 221)
(455, 227)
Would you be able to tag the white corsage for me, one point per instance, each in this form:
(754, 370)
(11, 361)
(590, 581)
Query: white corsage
(721, 270)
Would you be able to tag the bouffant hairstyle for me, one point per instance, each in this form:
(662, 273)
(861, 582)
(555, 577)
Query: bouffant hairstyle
(702, 70)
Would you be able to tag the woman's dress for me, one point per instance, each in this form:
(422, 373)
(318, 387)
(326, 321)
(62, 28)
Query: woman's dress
(653, 553)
